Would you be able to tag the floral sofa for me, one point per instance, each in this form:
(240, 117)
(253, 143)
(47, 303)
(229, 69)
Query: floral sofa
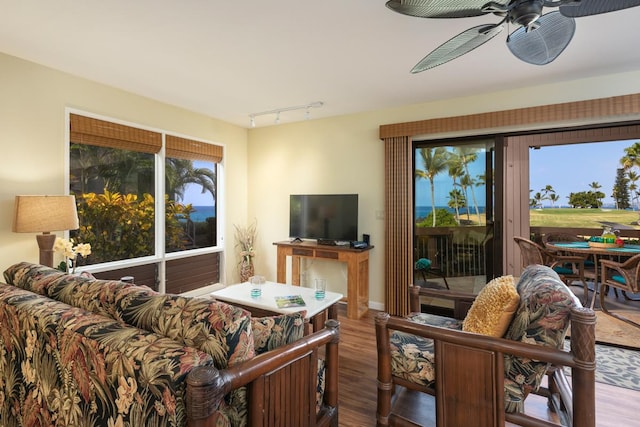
(80, 351)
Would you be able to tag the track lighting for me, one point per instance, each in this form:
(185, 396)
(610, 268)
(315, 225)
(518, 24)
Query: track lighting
(277, 112)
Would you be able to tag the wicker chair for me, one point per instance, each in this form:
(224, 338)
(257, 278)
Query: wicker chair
(569, 267)
(589, 270)
(620, 275)
(471, 376)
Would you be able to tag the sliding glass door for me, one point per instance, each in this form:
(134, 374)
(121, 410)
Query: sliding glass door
(454, 213)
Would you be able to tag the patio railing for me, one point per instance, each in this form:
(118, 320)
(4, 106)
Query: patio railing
(458, 251)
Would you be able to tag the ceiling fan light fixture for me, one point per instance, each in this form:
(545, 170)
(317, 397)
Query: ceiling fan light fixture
(543, 45)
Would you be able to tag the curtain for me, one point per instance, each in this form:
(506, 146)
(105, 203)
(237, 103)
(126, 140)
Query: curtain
(398, 224)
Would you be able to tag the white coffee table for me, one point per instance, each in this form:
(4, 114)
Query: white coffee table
(317, 311)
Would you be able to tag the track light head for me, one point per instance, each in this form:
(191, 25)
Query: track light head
(307, 107)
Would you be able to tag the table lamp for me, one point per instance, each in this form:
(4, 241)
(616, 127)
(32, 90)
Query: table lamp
(45, 214)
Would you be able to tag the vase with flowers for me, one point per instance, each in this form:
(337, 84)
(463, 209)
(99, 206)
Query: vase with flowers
(70, 252)
(245, 239)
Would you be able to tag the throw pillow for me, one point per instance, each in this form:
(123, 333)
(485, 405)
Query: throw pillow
(423, 264)
(494, 308)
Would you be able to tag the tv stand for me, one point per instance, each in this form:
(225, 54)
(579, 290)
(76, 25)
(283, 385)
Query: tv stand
(296, 240)
(357, 261)
(326, 242)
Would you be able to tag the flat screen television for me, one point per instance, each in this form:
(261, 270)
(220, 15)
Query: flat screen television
(324, 216)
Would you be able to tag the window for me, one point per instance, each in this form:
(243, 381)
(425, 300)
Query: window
(117, 172)
(453, 206)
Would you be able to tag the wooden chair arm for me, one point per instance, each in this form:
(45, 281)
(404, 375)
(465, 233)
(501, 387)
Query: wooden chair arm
(207, 386)
(627, 269)
(569, 258)
(455, 350)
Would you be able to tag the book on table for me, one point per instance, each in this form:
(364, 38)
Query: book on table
(290, 301)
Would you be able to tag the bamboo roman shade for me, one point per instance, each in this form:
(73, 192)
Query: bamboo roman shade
(90, 131)
(184, 148)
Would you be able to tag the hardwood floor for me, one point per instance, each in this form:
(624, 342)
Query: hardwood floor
(357, 385)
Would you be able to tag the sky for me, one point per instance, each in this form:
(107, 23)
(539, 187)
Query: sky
(567, 168)
(193, 192)
(442, 184)
(571, 168)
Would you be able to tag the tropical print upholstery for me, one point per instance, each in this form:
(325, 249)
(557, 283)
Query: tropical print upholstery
(63, 366)
(220, 334)
(220, 329)
(412, 356)
(542, 317)
(272, 332)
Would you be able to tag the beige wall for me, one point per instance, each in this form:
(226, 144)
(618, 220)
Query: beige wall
(32, 141)
(263, 165)
(345, 155)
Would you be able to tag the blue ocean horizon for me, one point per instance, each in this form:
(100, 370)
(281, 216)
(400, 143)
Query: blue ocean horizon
(201, 213)
(424, 211)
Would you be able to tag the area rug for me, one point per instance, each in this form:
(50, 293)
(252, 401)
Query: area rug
(614, 332)
(616, 366)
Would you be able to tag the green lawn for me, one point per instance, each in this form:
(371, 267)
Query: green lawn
(587, 218)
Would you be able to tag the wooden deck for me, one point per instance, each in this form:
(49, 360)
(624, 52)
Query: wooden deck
(357, 382)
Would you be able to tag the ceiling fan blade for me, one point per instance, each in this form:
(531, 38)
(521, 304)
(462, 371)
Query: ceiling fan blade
(439, 8)
(542, 45)
(577, 9)
(463, 43)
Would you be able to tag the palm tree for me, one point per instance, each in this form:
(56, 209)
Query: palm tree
(180, 172)
(631, 157)
(95, 169)
(595, 186)
(547, 192)
(457, 201)
(455, 172)
(537, 200)
(469, 155)
(435, 161)
(633, 178)
(467, 182)
(554, 198)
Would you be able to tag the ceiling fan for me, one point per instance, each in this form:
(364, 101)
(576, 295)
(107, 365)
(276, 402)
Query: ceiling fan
(539, 39)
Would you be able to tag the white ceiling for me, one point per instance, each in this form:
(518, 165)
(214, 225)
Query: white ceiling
(228, 59)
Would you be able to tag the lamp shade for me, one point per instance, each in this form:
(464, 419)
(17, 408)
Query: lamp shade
(34, 214)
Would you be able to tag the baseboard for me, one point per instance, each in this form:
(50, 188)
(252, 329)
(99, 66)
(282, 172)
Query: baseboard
(376, 305)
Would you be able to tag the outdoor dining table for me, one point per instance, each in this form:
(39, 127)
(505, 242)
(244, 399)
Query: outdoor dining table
(583, 248)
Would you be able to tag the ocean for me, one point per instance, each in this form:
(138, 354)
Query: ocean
(424, 211)
(201, 213)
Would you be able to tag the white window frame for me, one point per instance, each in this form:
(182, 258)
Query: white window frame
(161, 256)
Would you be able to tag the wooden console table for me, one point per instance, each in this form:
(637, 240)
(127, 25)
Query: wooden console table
(357, 261)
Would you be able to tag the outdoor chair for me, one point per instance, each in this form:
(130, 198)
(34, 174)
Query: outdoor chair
(426, 267)
(620, 275)
(478, 372)
(569, 267)
(589, 265)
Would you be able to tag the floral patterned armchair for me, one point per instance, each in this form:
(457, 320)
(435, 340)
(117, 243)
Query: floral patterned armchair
(483, 380)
